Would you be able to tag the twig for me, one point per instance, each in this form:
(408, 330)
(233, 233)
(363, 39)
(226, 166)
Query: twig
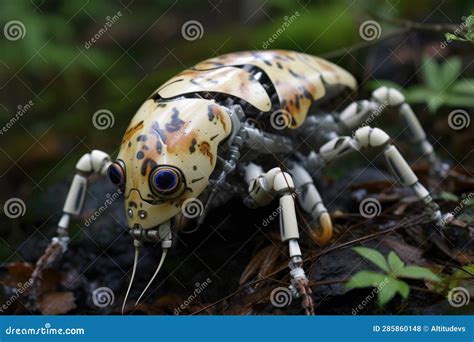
(340, 246)
(362, 45)
(405, 26)
(413, 25)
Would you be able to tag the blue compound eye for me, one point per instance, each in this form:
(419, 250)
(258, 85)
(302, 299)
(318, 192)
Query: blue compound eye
(165, 180)
(116, 173)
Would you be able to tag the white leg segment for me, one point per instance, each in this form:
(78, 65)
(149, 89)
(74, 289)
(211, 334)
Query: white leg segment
(355, 113)
(90, 163)
(367, 137)
(360, 112)
(262, 188)
(311, 202)
(394, 98)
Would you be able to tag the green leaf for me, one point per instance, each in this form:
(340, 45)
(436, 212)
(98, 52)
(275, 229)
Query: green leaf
(448, 196)
(416, 272)
(417, 94)
(468, 202)
(465, 86)
(450, 71)
(450, 36)
(457, 277)
(389, 288)
(455, 100)
(434, 102)
(431, 73)
(469, 36)
(395, 263)
(403, 289)
(469, 219)
(365, 279)
(374, 256)
(387, 291)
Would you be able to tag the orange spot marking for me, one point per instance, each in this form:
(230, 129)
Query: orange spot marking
(205, 149)
(219, 115)
(179, 142)
(131, 131)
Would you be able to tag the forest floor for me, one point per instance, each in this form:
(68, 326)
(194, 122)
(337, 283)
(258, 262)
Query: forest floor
(231, 265)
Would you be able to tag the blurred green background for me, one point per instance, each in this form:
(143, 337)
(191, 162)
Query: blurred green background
(68, 79)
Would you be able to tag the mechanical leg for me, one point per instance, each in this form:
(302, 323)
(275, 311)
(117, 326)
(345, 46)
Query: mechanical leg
(263, 186)
(364, 112)
(90, 163)
(320, 229)
(366, 138)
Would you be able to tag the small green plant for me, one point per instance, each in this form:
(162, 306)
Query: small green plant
(466, 34)
(388, 284)
(441, 85)
(462, 277)
(448, 196)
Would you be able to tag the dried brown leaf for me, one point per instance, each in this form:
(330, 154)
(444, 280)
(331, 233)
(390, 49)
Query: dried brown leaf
(57, 303)
(409, 254)
(464, 258)
(268, 264)
(373, 186)
(17, 272)
(254, 265)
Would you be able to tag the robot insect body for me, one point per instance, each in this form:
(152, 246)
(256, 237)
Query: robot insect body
(196, 139)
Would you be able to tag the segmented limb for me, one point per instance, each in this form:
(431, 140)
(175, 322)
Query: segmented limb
(96, 162)
(368, 138)
(311, 202)
(365, 111)
(263, 186)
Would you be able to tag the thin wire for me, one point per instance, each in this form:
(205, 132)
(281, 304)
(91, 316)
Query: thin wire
(163, 256)
(135, 262)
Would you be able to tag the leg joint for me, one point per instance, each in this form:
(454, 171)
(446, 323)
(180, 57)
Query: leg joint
(371, 137)
(389, 96)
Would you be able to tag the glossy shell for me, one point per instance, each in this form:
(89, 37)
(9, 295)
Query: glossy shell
(299, 79)
(184, 133)
(227, 80)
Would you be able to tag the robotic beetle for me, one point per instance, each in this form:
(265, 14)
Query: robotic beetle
(247, 123)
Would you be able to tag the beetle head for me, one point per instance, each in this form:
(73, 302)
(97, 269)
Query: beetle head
(167, 155)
